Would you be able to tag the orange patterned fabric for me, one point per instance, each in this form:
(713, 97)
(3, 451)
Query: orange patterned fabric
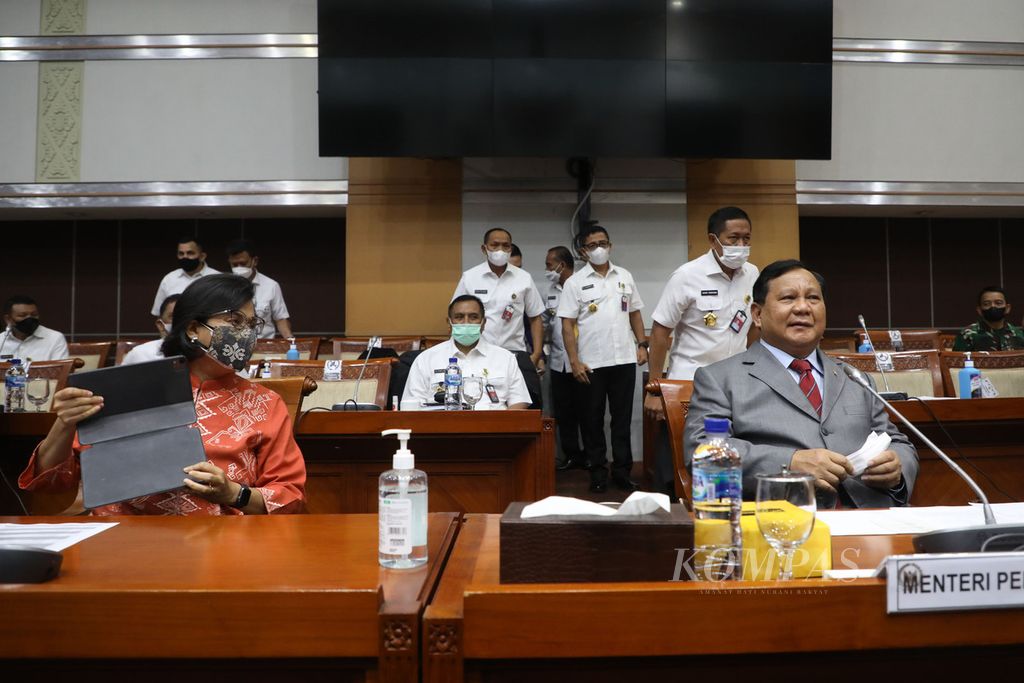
(246, 432)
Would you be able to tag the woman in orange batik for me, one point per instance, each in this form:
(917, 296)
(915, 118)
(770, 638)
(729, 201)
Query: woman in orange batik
(253, 464)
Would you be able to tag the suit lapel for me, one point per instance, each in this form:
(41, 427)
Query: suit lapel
(763, 366)
(834, 383)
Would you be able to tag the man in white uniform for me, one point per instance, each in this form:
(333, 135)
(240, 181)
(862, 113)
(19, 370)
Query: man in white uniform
(25, 338)
(602, 299)
(191, 267)
(508, 293)
(504, 383)
(151, 349)
(705, 306)
(269, 301)
(567, 395)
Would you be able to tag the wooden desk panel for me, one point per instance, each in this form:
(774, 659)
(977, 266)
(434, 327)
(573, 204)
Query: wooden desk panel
(477, 462)
(479, 629)
(222, 589)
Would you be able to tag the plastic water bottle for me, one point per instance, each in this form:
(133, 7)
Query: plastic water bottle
(865, 345)
(14, 386)
(969, 378)
(453, 386)
(717, 505)
(402, 509)
(293, 350)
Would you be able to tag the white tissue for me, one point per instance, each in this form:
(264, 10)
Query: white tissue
(639, 503)
(873, 446)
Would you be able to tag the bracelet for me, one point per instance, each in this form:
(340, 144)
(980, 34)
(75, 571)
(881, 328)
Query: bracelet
(645, 344)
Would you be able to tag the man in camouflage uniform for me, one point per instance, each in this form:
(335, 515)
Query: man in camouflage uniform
(991, 332)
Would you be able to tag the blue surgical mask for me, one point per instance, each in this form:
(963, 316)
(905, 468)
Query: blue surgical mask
(466, 334)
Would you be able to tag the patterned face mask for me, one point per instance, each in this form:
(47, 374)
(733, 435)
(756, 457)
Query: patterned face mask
(231, 345)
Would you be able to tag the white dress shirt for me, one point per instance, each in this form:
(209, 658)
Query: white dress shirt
(694, 290)
(143, 353)
(558, 360)
(596, 304)
(43, 344)
(817, 371)
(497, 366)
(514, 288)
(175, 282)
(269, 303)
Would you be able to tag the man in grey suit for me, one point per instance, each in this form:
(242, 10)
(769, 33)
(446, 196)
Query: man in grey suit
(791, 405)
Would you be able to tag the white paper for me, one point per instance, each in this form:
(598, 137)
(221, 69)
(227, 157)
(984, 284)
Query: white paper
(916, 520)
(638, 503)
(55, 537)
(873, 446)
(846, 574)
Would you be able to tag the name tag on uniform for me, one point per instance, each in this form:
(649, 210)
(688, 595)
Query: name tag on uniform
(479, 291)
(440, 371)
(492, 393)
(709, 292)
(590, 286)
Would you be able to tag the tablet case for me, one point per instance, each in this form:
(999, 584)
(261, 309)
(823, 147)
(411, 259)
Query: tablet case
(143, 437)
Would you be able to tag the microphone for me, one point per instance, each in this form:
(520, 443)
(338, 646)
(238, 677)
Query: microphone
(991, 536)
(893, 395)
(354, 401)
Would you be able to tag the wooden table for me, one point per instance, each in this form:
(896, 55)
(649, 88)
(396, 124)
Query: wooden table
(476, 461)
(231, 598)
(477, 629)
(990, 432)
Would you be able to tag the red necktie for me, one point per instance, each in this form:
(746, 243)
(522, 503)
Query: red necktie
(807, 383)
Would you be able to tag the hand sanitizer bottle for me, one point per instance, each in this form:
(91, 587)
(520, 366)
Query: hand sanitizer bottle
(293, 351)
(402, 509)
(970, 379)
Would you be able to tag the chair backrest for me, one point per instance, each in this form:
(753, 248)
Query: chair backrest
(54, 371)
(124, 346)
(675, 397)
(913, 340)
(277, 348)
(915, 372)
(349, 348)
(946, 342)
(291, 390)
(837, 344)
(433, 341)
(94, 354)
(1005, 369)
(373, 388)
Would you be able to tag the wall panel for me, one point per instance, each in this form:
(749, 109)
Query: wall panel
(965, 258)
(910, 285)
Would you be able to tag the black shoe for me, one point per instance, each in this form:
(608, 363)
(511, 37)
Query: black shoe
(625, 483)
(598, 486)
(572, 464)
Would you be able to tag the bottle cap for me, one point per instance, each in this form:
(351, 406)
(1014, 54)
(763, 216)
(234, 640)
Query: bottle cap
(716, 425)
(403, 459)
(452, 360)
(968, 363)
(15, 361)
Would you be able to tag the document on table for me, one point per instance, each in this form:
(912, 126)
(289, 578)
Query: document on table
(916, 520)
(55, 537)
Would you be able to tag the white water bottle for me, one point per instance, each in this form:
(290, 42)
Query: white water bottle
(14, 385)
(402, 509)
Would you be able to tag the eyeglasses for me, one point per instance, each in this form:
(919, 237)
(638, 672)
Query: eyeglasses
(240, 321)
(604, 244)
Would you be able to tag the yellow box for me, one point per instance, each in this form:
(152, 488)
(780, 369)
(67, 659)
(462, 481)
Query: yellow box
(761, 563)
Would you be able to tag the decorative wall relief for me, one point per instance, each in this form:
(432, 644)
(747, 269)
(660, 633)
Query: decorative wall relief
(62, 17)
(59, 122)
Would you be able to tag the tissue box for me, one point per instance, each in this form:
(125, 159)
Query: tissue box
(761, 563)
(592, 549)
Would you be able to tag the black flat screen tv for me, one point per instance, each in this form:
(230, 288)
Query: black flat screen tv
(563, 78)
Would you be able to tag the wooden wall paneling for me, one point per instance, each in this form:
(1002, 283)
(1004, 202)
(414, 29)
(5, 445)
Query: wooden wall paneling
(1013, 259)
(403, 244)
(96, 279)
(850, 254)
(764, 188)
(35, 261)
(307, 258)
(909, 273)
(965, 258)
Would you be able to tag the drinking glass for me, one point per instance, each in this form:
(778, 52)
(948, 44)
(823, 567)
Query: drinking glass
(37, 390)
(472, 390)
(785, 514)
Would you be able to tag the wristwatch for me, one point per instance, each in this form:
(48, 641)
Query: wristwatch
(244, 493)
(645, 344)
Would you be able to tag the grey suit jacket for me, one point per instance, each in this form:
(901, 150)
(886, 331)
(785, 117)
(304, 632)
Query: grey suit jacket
(771, 418)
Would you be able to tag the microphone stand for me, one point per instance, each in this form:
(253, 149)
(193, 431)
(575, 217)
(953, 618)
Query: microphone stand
(969, 539)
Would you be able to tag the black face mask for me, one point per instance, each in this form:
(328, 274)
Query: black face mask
(188, 264)
(994, 314)
(27, 325)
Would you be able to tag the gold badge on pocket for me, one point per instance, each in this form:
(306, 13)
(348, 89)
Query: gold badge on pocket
(710, 319)
(592, 307)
